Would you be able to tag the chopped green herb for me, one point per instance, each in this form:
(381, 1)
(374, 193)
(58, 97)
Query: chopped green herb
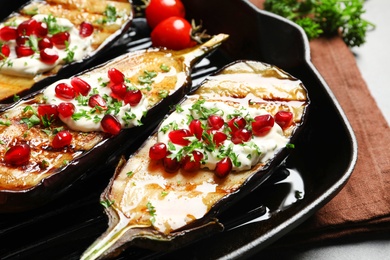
(107, 203)
(163, 93)
(165, 68)
(152, 212)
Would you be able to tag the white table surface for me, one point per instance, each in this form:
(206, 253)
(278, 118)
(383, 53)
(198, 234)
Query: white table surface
(372, 58)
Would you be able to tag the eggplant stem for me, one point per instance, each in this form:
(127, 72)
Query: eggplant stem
(98, 248)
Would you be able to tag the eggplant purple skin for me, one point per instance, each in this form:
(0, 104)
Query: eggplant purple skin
(7, 8)
(83, 167)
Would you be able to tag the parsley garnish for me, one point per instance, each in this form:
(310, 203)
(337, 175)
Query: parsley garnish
(52, 26)
(107, 203)
(152, 212)
(325, 17)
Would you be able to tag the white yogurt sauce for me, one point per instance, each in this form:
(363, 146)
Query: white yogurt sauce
(91, 122)
(247, 153)
(31, 66)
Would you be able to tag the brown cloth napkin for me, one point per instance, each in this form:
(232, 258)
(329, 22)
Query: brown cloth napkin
(363, 206)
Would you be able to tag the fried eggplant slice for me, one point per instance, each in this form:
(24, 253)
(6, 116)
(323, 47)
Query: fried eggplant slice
(52, 137)
(45, 38)
(220, 143)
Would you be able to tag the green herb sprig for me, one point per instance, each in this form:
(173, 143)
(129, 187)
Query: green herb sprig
(325, 18)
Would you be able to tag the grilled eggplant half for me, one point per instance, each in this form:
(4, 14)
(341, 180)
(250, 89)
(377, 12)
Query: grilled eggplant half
(222, 141)
(54, 136)
(47, 38)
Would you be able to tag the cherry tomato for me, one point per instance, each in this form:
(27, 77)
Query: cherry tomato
(159, 10)
(173, 33)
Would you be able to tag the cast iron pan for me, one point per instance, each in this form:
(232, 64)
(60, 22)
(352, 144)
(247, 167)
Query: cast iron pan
(313, 174)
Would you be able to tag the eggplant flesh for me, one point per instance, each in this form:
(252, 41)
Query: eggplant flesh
(145, 203)
(50, 169)
(107, 28)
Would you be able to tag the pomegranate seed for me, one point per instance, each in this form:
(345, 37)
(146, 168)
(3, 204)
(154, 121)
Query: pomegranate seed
(86, 29)
(196, 128)
(80, 86)
(262, 124)
(111, 125)
(284, 119)
(236, 123)
(223, 167)
(118, 90)
(170, 165)
(18, 154)
(133, 97)
(61, 139)
(60, 39)
(48, 56)
(23, 51)
(116, 76)
(22, 40)
(97, 100)
(8, 33)
(27, 27)
(158, 151)
(5, 51)
(65, 91)
(219, 137)
(178, 136)
(40, 29)
(192, 164)
(215, 122)
(48, 110)
(241, 135)
(66, 109)
(45, 42)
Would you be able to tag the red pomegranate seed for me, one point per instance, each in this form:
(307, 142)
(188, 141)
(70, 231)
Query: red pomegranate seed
(45, 42)
(8, 33)
(215, 122)
(80, 86)
(66, 109)
(284, 119)
(158, 151)
(48, 110)
(236, 123)
(111, 125)
(5, 51)
(192, 164)
(60, 39)
(241, 135)
(22, 40)
(133, 97)
(118, 90)
(23, 51)
(196, 128)
(65, 91)
(48, 56)
(97, 100)
(61, 139)
(18, 154)
(171, 165)
(40, 29)
(178, 136)
(86, 29)
(116, 76)
(262, 124)
(219, 137)
(27, 27)
(223, 167)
